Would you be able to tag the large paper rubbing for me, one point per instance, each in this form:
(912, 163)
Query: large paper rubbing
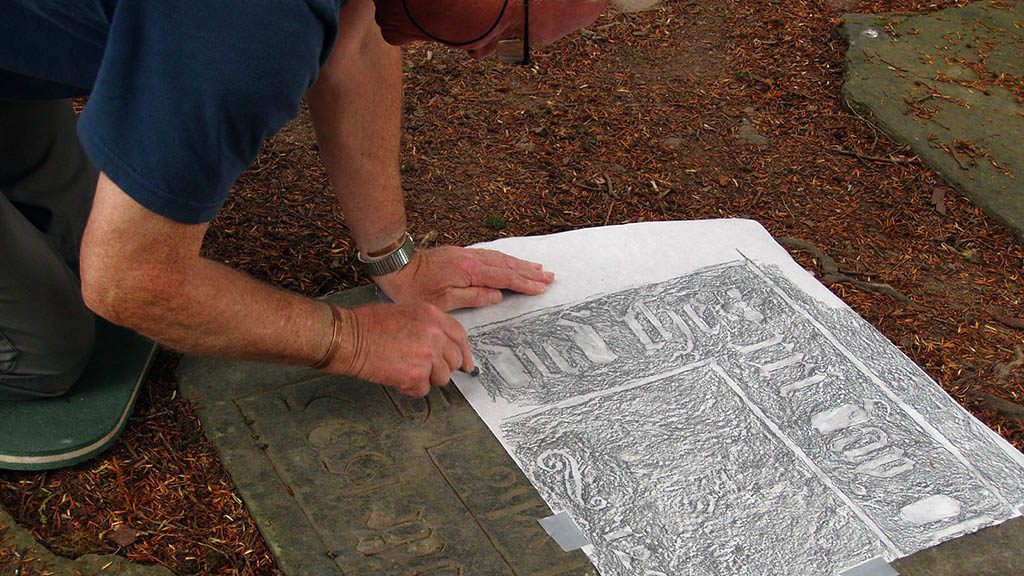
(700, 405)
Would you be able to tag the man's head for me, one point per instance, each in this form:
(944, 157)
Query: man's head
(463, 22)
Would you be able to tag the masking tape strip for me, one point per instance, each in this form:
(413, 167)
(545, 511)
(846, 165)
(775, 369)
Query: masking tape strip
(564, 531)
(877, 566)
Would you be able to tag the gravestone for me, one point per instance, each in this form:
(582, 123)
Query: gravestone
(346, 477)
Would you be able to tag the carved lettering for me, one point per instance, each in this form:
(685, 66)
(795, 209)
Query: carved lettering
(885, 461)
(839, 418)
(540, 366)
(501, 476)
(353, 453)
(518, 504)
(633, 315)
(514, 508)
(505, 362)
(788, 390)
(418, 409)
(766, 343)
(551, 357)
(399, 539)
(740, 308)
(629, 549)
(791, 359)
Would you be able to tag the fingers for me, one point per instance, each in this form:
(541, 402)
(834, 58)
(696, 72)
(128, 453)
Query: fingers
(461, 356)
(412, 347)
(473, 297)
(496, 270)
(454, 352)
(452, 361)
(416, 390)
(440, 374)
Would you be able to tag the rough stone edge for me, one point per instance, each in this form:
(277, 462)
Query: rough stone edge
(262, 492)
(854, 24)
(22, 542)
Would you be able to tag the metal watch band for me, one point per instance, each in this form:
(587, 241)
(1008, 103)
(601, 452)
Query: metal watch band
(393, 262)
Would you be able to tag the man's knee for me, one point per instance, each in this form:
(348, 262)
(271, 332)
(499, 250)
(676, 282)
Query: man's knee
(48, 333)
(46, 365)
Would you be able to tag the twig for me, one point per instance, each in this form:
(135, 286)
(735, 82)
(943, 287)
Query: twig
(1005, 368)
(608, 183)
(867, 157)
(1017, 323)
(868, 123)
(828, 265)
(1004, 408)
(830, 271)
(894, 66)
(589, 187)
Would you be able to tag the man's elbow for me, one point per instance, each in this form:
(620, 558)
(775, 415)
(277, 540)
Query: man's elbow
(103, 295)
(118, 295)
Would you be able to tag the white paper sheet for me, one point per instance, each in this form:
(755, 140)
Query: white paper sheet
(699, 404)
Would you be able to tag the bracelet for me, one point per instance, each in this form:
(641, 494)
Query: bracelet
(385, 251)
(392, 261)
(332, 349)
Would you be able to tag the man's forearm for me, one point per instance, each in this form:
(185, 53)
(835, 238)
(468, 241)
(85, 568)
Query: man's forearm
(144, 271)
(356, 106)
(216, 311)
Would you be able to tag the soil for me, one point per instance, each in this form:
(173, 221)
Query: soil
(698, 109)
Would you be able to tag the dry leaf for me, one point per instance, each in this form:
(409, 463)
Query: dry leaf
(123, 536)
(939, 200)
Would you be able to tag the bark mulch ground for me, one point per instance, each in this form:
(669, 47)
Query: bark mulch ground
(700, 109)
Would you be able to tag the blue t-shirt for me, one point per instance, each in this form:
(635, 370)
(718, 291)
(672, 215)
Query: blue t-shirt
(182, 92)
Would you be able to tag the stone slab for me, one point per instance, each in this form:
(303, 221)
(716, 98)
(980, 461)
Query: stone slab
(949, 85)
(20, 541)
(345, 477)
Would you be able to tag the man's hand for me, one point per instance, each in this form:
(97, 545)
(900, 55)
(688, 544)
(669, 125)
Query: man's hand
(452, 278)
(409, 347)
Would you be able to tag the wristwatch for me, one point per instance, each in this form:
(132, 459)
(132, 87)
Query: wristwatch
(392, 261)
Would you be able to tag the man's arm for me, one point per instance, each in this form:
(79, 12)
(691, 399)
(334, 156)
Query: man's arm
(356, 110)
(144, 271)
(356, 105)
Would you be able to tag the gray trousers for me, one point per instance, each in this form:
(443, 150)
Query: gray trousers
(46, 190)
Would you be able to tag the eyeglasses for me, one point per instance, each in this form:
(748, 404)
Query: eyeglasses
(514, 43)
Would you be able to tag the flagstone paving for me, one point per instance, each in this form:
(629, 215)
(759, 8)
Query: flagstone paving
(950, 84)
